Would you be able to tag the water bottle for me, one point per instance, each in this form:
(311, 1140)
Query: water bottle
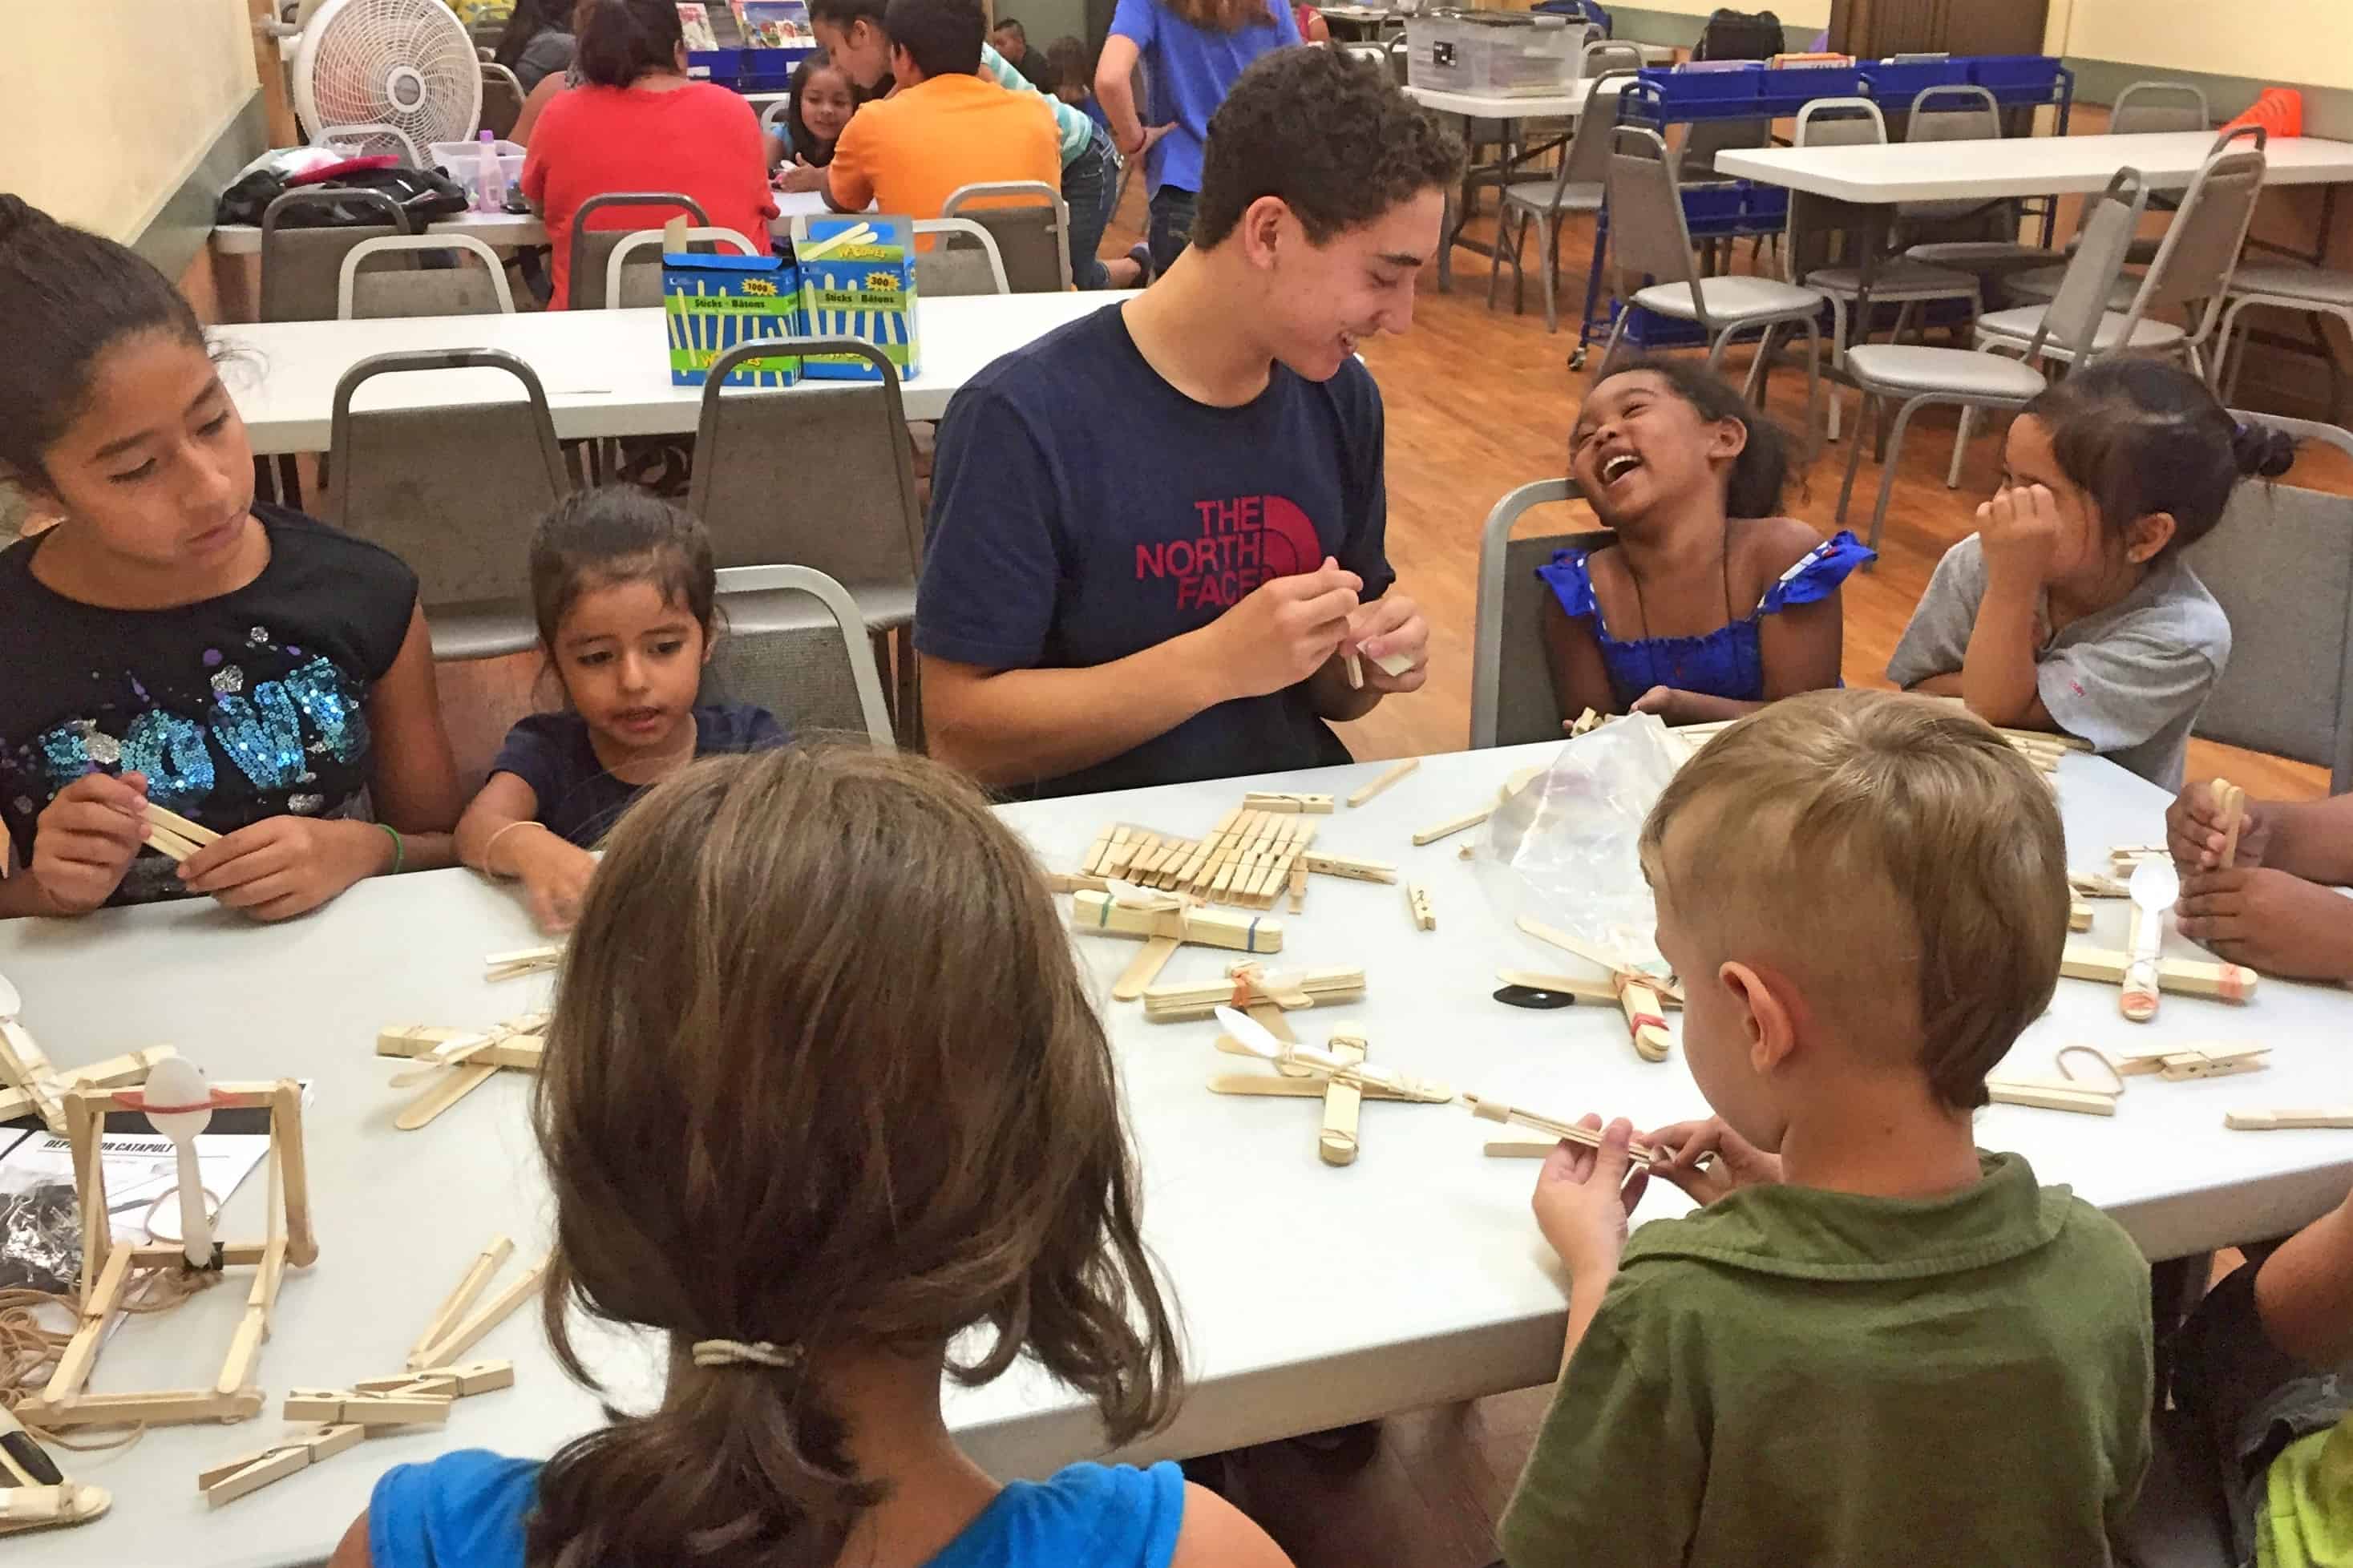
(489, 196)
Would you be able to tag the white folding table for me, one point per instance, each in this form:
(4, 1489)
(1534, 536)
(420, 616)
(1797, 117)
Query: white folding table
(1566, 104)
(1312, 1296)
(510, 231)
(606, 372)
(1882, 175)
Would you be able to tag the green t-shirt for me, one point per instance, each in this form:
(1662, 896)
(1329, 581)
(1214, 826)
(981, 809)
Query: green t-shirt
(2307, 1519)
(1069, 120)
(1795, 1376)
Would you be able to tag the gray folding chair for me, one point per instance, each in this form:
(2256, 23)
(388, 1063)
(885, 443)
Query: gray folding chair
(1974, 236)
(791, 641)
(590, 249)
(1511, 697)
(632, 278)
(502, 98)
(364, 293)
(301, 268)
(763, 492)
(2142, 108)
(2191, 271)
(1577, 187)
(1031, 225)
(1648, 237)
(963, 260)
(2280, 562)
(1608, 56)
(2310, 291)
(1923, 377)
(374, 140)
(454, 491)
(1813, 237)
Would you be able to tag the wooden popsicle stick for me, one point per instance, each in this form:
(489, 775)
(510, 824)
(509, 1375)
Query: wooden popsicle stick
(179, 826)
(2045, 1096)
(1275, 1086)
(2288, 1119)
(169, 845)
(2231, 801)
(1520, 1148)
(1144, 968)
(456, 1086)
(1336, 1142)
(1560, 939)
(465, 1336)
(1448, 829)
(493, 1258)
(1488, 1110)
(1396, 773)
(2183, 976)
(1354, 663)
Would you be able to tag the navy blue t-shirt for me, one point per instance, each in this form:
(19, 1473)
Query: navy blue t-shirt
(578, 800)
(1083, 509)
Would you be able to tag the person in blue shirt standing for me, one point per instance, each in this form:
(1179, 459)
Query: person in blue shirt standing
(1193, 51)
(1157, 534)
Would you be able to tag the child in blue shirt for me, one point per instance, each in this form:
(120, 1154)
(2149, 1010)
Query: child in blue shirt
(815, 1178)
(1709, 603)
(623, 587)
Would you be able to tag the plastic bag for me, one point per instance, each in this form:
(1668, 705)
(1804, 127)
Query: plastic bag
(1563, 848)
(40, 1239)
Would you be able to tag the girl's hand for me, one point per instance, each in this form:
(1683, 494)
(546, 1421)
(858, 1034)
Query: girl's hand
(2020, 532)
(1671, 706)
(86, 838)
(1583, 1196)
(802, 176)
(286, 866)
(555, 873)
(2269, 921)
(1738, 1162)
(2193, 831)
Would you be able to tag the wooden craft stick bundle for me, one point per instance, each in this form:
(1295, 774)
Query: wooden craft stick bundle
(1488, 1110)
(1311, 988)
(2188, 977)
(170, 834)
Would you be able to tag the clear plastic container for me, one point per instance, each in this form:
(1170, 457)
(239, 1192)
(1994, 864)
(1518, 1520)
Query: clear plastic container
(1511, 54)
(463, 161)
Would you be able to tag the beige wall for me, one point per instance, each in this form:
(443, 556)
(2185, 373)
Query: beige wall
(2284, 41)
(106, 105)
(1793, 12)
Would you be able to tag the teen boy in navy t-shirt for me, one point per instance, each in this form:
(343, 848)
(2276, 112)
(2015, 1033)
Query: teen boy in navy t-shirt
(1156, 532)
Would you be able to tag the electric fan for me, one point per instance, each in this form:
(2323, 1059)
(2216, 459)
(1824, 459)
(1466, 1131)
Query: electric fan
(408, 64)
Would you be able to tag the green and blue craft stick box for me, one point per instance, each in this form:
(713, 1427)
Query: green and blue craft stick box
(712, 303)
(857, 274)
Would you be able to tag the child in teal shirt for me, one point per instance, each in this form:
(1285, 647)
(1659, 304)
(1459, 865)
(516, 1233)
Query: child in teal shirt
(1873, 1343)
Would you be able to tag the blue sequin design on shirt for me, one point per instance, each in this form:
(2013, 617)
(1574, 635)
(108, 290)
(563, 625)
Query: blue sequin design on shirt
(269, 733)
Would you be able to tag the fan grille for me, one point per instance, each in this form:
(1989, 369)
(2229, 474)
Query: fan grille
(408, 63)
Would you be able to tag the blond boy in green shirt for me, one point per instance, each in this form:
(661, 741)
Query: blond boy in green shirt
(1873, 1344)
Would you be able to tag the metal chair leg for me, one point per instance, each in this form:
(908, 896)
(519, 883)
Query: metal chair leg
(1887, 470)
(1863, 419)
(1548, 257)
(1752, 388)
(1960, 446)
(1495, 265)
(1813, 385)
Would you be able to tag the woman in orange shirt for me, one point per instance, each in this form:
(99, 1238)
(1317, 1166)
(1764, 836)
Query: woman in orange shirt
(637, 122)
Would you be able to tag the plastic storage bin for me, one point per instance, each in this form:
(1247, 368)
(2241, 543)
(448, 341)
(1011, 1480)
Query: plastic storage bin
(1894, 87)
(463, 161)
(2017, 79)
(1514, 54)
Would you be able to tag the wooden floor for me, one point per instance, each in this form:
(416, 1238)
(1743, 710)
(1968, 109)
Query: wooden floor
(1478, 403)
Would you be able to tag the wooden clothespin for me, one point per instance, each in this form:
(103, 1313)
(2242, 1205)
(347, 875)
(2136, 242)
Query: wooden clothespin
(350, 1406)
(227, 1483)
(2181, 977)
(2092, 885)
(447, 1382)
(1639, 995)
(1354, 868)
(1246, 859)
(2285, 1121)
(2182, 1063)
(2231, 804)
(1250, 987)
(1395, 773)
(1311, 805)
(1165, 921)
(465, 1059)
(1339, 1075)
(521, 961)
(1417, 901)
(170, 834)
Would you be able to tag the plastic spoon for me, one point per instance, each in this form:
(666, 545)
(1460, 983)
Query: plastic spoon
(179, 1106)
(2154, 885)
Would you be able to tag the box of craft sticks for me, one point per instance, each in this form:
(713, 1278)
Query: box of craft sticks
(857, 274)
(712, 303)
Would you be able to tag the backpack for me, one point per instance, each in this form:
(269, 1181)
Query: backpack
(1740, 36)
(424, 194)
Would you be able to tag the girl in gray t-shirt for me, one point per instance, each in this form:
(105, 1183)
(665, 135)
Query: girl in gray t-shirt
(2070, 607)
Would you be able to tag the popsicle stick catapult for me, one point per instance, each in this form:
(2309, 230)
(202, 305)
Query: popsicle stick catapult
(463, 1059)
(2180, 976)
(1641, 997)
(1337, 1074)
(107, 1265)
(1165, 921)
(1251, 990)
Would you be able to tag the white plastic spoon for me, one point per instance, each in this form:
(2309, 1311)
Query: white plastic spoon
(176, 1081)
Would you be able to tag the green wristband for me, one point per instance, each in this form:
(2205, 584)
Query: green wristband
(399, 848)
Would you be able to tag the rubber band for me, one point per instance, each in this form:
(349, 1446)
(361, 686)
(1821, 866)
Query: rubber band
(491, 870)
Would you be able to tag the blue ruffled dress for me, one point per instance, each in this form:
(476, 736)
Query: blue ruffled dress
(1728, 662)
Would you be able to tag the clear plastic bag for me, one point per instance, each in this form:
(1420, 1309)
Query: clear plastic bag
(40, 1239)
(1562, 850)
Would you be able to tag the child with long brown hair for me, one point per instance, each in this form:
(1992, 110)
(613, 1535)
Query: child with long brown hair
(816, 1162)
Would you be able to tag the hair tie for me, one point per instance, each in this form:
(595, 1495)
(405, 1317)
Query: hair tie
(742, 1353)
